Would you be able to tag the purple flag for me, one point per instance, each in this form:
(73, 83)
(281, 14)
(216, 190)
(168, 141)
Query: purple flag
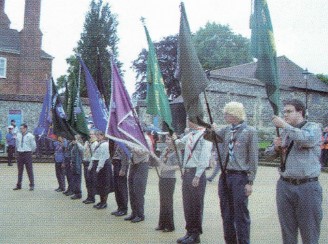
(123, 125)
(45, 115)
(97, 105)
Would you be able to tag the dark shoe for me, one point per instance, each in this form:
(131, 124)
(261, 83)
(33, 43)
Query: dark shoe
(168, 230)
(194, 238)
(102, 206)
(96, 205)
(17, 188)
(159, 228)
(69, 193)
(121, 213)
(114, 212)
(59, 190)
(32, 188)
(88, 201)
(76, 196)
(137, 219)
(131, 217)
(181, 239)
(10, 164)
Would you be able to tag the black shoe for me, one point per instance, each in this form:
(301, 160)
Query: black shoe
(181, 239)
(102, 206)
(57, 189)
(114, 212)
(137, 219)
(17, 188)
(76, 196)
(96, 205)
(10, 164)
(131, 217)
(159, 228)
(87, 201)
(194, 238)
(32, 188)
(121, 213)
(69, 193)
(168, 230)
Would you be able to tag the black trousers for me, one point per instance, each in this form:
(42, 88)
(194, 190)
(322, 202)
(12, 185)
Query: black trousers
(68, 173)
(76, 179)
(88, 181)
(166, 190)
(120, 186)
(193, 201)
(60, 175)
(138, 176)
(10, 151)
(25, 158)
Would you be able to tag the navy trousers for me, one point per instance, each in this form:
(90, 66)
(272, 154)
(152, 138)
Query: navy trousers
(120, 187)
(68, 172)
(60, 175)
(25, 158)
(193, 201)
(166, 190)
(138, 176)
(234, 211)
(88, 181)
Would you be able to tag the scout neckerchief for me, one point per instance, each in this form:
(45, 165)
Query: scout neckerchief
(192, 145)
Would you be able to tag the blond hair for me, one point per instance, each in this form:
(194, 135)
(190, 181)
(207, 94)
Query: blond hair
(235, 109)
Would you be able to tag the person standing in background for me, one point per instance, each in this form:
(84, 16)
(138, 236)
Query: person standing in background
(25, 144)
(11, 144)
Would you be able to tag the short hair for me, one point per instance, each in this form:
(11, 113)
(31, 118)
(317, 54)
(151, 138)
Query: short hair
(24, 125)
(13, 120)
(235, 109)
(298, 104)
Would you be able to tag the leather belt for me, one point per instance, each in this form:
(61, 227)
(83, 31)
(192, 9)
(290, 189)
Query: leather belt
(188, 170)
(236, 172)
(299, 181)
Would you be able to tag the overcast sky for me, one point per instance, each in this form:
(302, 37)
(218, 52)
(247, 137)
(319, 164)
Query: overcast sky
(300, 26)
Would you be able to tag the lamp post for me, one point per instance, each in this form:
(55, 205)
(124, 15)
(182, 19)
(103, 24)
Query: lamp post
(305, 74)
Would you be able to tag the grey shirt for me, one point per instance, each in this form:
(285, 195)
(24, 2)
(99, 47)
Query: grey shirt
(303, 160)
(168, 158)
(25, 143)
(245, 149)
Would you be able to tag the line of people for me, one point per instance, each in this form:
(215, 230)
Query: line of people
(299, 194)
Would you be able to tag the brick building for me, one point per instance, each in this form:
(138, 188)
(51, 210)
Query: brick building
(24, 67)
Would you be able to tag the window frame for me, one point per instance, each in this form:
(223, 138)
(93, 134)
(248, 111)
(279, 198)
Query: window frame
(4, 74)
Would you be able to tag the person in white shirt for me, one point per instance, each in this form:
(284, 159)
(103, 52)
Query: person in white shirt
(25, 145)
(196, 159)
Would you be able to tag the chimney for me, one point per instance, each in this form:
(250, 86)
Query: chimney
(4, 20)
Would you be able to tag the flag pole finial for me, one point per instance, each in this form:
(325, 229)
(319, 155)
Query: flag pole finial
(143, 20)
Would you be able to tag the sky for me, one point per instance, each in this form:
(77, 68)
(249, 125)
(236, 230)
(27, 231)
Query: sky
(300, 27)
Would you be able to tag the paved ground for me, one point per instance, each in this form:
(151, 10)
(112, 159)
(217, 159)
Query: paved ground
(45, 216)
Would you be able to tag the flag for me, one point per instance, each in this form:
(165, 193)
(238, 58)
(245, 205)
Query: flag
(75, 113)
(100, 81)
(157, 101)
(59, 119)
(45, 115)
(123, 124)
(98, 108)
(189, 70)
(263, 48)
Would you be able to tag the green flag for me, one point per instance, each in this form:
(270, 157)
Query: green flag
(189, 70)
(75, 114)
(263, 48)
(157, 101)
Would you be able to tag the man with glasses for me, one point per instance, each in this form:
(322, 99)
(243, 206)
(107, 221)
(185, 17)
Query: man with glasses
(299, 194)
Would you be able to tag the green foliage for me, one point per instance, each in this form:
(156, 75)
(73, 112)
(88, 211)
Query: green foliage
(216, 45)
(166, 51)
(98, 42)
(323, 77)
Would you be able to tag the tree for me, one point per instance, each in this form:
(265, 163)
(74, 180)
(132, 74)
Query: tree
(323, 77)
(166, 51)
(217, 47)
(98, 42)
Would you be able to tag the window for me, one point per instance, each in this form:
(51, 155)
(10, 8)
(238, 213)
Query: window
(3, 67)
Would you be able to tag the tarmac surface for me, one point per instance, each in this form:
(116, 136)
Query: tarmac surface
(45, 216)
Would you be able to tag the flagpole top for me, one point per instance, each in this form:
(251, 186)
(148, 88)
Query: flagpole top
(143, 20)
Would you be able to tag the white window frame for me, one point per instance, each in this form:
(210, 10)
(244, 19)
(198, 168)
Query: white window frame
(4, 74)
